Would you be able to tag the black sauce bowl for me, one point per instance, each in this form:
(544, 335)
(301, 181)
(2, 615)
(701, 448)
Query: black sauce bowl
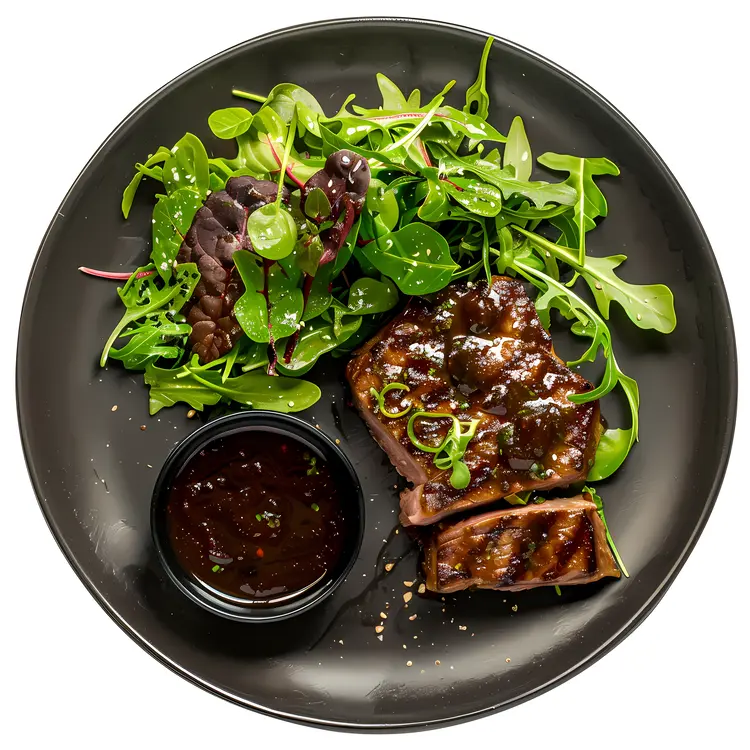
(266, 421)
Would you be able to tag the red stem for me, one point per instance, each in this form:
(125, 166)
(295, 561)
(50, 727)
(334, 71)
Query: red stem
(274, 359)
(112, 275)
(289, 172)
(450, 182)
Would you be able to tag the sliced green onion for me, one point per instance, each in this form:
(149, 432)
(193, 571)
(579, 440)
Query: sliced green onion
(380, 399)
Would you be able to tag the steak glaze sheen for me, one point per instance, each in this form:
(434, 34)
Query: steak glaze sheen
(476, 351)
(258, 516)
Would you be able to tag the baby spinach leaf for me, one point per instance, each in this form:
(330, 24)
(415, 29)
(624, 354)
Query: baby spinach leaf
(382, 201)
(284, 97)
(272, 231)
(316, 339)
(320, 297)
(250, 309)
(187, 166)
(416, 257)
(230, 122)
(480, 198)
(517, 152)
(368, 296)
(434, 208)
(172, 217)
(317, 205)
(146, 296)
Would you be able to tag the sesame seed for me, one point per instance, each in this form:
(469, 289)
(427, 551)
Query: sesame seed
(515, 608)
(422, 588)
(191, 413)
(462, 627)
(143, 427)
(407, 596)
(507, 661)
(114, 408)
(408, 583)
(389, 567)
(384, 615)
(413, 617)
(408, 663)
(437, 662)
(379, 628)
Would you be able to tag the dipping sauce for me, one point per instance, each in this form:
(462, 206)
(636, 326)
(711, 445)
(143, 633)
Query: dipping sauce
(258, 515)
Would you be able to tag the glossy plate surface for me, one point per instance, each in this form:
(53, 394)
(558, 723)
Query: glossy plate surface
(92, 467)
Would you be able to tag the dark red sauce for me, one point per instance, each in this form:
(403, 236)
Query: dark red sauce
(257, 515)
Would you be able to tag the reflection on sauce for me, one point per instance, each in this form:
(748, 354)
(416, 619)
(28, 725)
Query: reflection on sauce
(257, 515)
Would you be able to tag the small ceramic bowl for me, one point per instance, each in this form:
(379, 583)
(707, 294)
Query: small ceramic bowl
(272, 422)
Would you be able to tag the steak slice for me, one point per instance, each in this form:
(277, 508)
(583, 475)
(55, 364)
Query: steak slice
(477, 352)
(557, 542)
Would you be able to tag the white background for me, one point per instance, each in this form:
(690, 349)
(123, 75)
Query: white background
(70, 72)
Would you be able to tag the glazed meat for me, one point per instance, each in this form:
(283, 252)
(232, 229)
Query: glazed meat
(477, 352)
(556, 542)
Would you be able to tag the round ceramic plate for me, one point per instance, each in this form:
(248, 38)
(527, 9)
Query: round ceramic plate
(473, 653)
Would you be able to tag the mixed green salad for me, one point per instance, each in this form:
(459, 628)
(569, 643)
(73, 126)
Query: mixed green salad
(449, 196)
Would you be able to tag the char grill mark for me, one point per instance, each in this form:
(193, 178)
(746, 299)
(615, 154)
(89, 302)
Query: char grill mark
(217, 231)
(478, 352)
(557, 542)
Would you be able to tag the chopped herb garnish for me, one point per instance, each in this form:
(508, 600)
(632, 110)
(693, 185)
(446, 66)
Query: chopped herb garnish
(557, 591)
(313, 461)
(216, 568)
(315, 507)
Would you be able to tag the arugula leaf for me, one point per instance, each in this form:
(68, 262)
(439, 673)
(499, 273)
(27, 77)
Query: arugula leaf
(148, 342)
(200, 388)
(477, 98)
(649, 306)
(416, 257)
(172, 217)
(143, 297)
(128, 195)
(614, 445)
(187, 166)
(517, 152)
(393, 99)
(539, 193)
(230, 122)
(592, 493)
(590, 201)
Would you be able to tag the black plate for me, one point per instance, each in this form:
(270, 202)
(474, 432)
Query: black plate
(92, 468)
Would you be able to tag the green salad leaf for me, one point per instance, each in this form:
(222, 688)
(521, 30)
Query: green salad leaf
(323, 266)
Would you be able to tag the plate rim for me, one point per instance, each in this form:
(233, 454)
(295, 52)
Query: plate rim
(720, 302)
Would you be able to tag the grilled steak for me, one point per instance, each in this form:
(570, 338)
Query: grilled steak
(557, 542)
(477, 352)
